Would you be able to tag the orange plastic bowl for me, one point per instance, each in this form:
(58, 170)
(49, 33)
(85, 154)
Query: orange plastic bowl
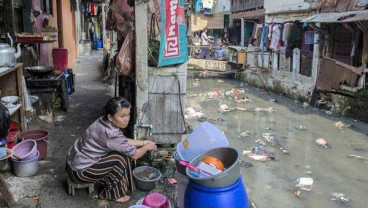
(214, 162)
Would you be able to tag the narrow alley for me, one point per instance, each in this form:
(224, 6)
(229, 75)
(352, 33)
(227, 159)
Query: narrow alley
(48, 188)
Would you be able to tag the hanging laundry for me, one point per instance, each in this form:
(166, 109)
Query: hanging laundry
(92, 9)
(263, 36)
(275, 38)
(281, 42)
(309, 37)
(295, 38)
(198, 6)
(207, 4)
(257, 35)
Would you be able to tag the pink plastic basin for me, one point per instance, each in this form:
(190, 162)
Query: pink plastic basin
(25, 150)
(156, 200)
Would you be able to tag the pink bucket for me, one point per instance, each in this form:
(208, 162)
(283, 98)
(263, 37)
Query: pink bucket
(60, 58)
(156, 200)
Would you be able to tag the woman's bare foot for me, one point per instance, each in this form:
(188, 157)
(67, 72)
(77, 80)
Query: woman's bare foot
(120, 200)
(123, 199)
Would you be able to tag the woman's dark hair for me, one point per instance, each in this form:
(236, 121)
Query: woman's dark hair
(114, 104)
(4, 121)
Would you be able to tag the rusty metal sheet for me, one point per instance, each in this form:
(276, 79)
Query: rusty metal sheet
(336, 5)
(333, 73)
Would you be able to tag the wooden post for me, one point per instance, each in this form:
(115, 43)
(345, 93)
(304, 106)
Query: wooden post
(141, 59)
(316, 55)
(5, 193)
(103, 22)
(242, 31)
(21, 96)
(365, 49)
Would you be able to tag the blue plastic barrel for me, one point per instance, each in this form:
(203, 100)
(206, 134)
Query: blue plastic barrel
(234, 196)
(99, 44)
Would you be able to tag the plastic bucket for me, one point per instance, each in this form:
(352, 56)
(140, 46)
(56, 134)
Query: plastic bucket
(60, 58)
(138, 206)
(205, 137)
(25, 150)
(179, 168)
(99, 44)
(10, 143)
(25, 168)
(230, 159)
(4, 161)
(11, 139)
(142, 177)
(232, 196)
(156, 200)
(40, 136)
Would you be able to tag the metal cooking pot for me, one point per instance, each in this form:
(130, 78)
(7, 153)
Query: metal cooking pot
(7, 53)
(230, 159)
(40, 70)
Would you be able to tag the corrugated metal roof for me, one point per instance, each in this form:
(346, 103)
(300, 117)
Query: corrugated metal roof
(334, 17)
(289, 17)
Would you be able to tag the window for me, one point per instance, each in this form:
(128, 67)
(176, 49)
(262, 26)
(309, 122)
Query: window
(46, 7)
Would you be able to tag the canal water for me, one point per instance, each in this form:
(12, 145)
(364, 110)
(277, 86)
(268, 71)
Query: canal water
(294, 126)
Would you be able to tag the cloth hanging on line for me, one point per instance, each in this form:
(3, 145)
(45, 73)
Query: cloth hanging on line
(207, 4)
(309, 37)
(264, 36)
(275, 38)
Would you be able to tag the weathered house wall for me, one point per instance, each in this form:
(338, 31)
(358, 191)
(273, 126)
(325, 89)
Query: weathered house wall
(273, 69)
(222, 6)
(286, 6)
(45, 49)
(68, 29)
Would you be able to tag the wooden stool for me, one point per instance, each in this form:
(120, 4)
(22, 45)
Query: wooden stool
(72, 186)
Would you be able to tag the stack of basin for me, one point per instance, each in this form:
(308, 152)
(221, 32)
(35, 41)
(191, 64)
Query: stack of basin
(25, 158)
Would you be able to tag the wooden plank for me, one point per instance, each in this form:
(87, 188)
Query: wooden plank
(166, 103)
(200, 21)
(26, 11)
(21, 96)
(11, 84)
(141, 80)
(365, 49)
(211, 65)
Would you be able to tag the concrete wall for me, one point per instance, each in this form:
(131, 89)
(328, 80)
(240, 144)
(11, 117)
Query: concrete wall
(46, 48)
(222, 6)
(294, 85)
(285, 6)
(264, 74)
(68, 30)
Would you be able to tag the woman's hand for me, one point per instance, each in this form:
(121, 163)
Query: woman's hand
(149, 145)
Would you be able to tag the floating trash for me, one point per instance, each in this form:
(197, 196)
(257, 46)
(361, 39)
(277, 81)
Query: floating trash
(243, 109)
(259, 150)
(323, 143)
(245, 164)
(305, 184)
(358, 157)
(225, 108)
(297, 193)
(300, 127)
(339, 197)
(190, 113)
(244, 134)
(341, 125)
(305, 105)
(244, 99)
(269, 110)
